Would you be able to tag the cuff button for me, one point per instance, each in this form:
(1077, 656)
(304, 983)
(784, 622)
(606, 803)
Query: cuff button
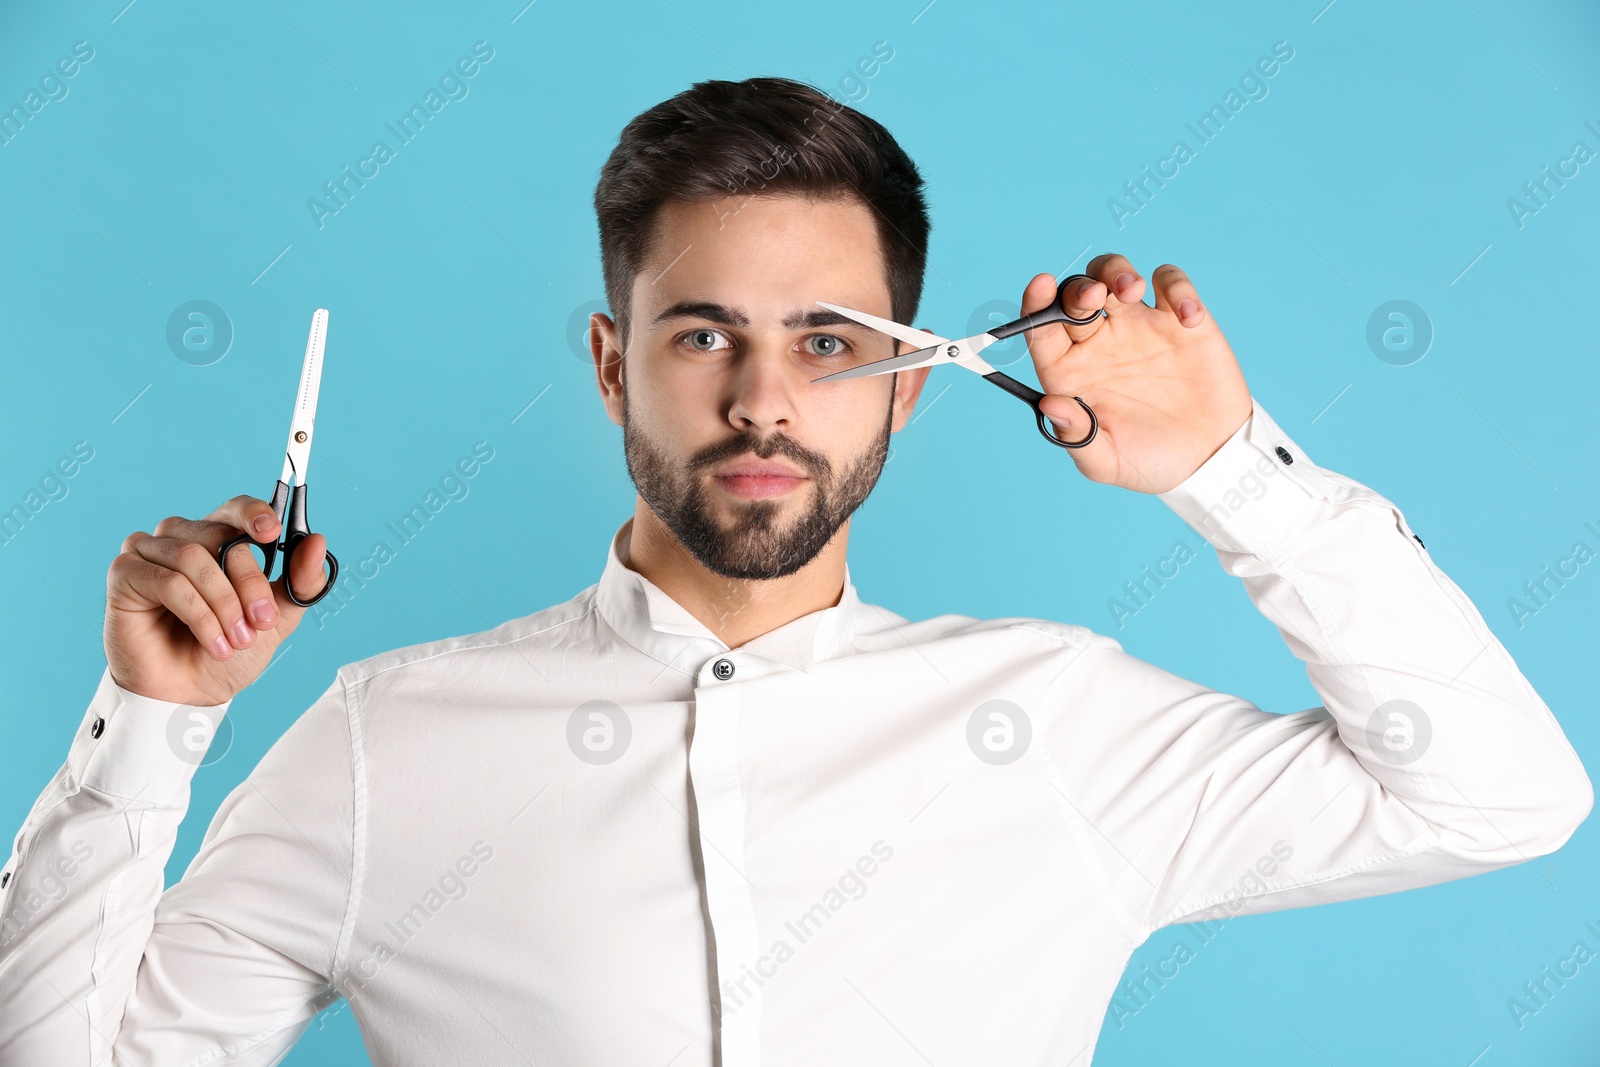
(1283, 454)
(98, 728)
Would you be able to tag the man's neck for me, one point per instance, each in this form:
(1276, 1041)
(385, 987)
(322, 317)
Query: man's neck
(736, 611)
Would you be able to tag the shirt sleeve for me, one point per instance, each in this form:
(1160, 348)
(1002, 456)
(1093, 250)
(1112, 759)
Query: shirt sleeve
(1431, 758)
(99, 967)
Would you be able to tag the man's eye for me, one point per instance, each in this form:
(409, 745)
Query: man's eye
(704, 340)
(829, 344)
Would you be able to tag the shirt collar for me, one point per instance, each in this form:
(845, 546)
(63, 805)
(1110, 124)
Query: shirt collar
(651, 621)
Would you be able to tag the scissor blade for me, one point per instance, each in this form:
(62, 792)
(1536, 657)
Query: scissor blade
(920, 358)
(303, 421)
(919, 338)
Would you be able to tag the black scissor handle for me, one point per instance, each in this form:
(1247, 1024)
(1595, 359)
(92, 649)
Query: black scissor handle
(295, 532)
(269, 549)
(290, 507)
(1056, 312)
(1031, 396)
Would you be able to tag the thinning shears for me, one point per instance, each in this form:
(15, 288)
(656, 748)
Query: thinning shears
(289, 496)
(933, 349)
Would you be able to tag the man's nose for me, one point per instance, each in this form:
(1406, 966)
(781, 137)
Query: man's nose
(763, 389)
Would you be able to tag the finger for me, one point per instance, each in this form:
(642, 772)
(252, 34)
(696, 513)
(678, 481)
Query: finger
(1175, 293)
(242, 514)
(1069, 422)
(306, 568)
(252, 587)
(1124, 283)
(198, 564)
(1047, 344)
(161, 586)
(248, 513)
(1084, 296)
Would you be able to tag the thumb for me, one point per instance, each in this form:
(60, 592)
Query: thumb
(1097, 460)
(1046, 344)
(307, 570)
(1069, 421)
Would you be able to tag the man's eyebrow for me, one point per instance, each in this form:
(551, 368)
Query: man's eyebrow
(702, 309)
(803, 320)
(800, 319)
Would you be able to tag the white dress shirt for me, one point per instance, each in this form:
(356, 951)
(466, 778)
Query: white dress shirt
(597, 835)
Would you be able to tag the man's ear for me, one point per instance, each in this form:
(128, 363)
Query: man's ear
(605, 347)
(907, 388)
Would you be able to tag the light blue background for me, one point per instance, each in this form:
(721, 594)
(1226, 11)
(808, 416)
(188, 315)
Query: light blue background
(1377, 168)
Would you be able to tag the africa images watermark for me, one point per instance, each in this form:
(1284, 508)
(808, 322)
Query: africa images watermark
(52, 88)
(52, 487)
(853, 84)
(452, 86)
(851, 885)
(1205, 129)
(452, 486)
(1136, 993)
(450, 886)
(1137, 593)
(1539, 191)
(1538, 593)
(1538, 993)
(1248, 488)
(49, 887)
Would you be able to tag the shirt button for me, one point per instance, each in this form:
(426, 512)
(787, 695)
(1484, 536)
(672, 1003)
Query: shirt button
(4, 878)
(1283, 454)
(98, 728)
(723, 669)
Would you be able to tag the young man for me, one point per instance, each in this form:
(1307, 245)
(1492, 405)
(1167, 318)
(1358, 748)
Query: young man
(716, 809)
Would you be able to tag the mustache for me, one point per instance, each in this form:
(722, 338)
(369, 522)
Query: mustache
(748, 444)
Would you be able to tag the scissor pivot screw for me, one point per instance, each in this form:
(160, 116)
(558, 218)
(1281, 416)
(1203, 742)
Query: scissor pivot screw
(953, 351)
(300, 437)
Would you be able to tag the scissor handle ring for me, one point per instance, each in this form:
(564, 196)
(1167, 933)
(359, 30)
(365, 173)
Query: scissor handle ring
(1045, 424)
(1061, 298)
(332, 561)
(270, 549)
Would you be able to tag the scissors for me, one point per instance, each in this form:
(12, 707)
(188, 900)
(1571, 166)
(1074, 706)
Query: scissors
(290, 503)
(932, 349)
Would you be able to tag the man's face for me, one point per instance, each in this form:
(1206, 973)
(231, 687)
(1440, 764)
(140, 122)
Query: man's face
(725, 337)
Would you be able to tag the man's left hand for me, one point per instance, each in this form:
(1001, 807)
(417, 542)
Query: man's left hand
(1164, 384)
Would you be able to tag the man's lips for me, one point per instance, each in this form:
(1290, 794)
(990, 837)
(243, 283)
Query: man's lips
(759, 479)
(766, 469)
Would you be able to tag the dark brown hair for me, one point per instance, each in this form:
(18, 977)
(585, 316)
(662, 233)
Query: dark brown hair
(757, 136)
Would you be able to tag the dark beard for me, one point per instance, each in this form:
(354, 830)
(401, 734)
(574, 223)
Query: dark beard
(754, 549)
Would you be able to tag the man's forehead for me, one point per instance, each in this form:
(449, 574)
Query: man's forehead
(728, 216)
(790, 233)
(700, 266)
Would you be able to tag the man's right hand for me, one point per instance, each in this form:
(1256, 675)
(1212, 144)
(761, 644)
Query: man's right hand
(179, 629)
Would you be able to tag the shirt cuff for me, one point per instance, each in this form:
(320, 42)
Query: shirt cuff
(140, 748)
(1254, 491)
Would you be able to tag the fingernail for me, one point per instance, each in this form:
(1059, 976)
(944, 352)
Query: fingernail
(220, 647)
(264, 524)
(1187, 308)
(261, 612)
(1124, 282)
(242, 633)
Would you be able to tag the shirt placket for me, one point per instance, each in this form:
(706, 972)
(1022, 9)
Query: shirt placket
(720, 803)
